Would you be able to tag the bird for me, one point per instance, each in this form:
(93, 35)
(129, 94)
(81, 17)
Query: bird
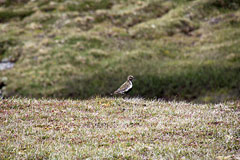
(126, 86)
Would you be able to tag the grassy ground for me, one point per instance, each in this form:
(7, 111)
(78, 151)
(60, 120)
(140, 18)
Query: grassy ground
(117, 128)
(179, 49)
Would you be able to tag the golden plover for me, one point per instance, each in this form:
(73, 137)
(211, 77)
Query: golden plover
(126, 86)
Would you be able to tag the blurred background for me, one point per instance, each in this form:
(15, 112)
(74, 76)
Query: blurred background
(177, 49)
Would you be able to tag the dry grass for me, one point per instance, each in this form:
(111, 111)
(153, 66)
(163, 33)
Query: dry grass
(177, 50)
(116, 128)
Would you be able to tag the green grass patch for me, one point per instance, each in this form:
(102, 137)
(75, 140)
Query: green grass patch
(89, 5)
(8, 14)
(86, 42)
(5, 46)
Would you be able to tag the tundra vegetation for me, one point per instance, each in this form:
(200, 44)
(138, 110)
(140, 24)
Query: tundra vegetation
(70, 55)
(116, 128)
(177, 49)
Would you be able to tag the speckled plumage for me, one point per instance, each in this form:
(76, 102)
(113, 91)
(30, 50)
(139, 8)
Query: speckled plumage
(125, 87)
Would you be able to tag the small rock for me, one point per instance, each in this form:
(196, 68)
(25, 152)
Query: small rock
(6, 65)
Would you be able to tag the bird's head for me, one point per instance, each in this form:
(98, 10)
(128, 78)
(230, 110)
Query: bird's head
(130, 78)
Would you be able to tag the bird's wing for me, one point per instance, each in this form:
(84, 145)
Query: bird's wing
(124, 87)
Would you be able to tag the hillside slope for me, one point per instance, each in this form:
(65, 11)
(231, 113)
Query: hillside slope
(116, 128)
(178, 49)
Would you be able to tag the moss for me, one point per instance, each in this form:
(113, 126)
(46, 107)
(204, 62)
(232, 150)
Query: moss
(7, 14)
(86, 42)
(5, 45)
(180, 49)
(226, 4)
(152, 10)
(90, 5)
(48, 8)
(8, 3)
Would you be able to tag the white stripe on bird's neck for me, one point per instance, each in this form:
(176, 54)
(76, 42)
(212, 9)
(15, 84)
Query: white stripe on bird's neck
(130, 86)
